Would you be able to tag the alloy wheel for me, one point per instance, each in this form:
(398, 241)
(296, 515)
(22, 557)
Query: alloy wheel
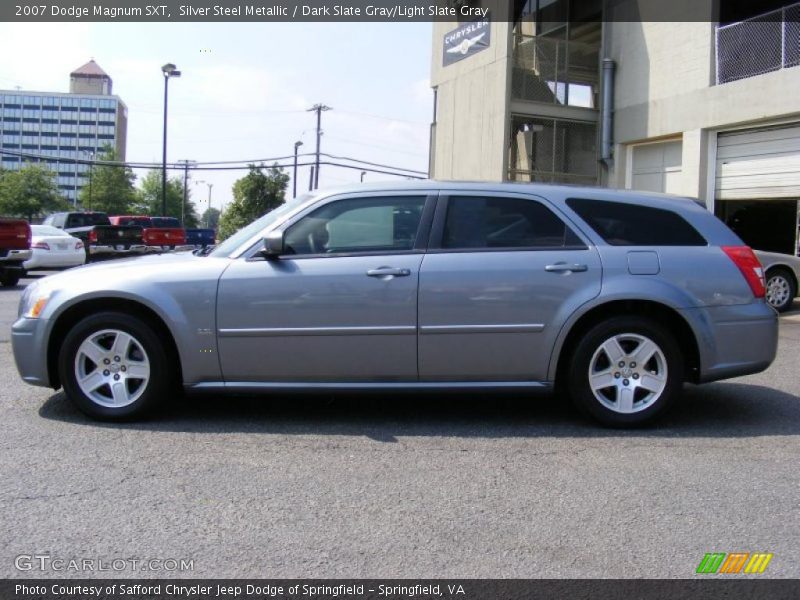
(778, 290)
(628, 373)
(112, 368)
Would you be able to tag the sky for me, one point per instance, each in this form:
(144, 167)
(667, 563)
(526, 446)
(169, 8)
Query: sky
(245, 89)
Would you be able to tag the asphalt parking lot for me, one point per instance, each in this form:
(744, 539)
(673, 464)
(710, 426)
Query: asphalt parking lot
(424, 486)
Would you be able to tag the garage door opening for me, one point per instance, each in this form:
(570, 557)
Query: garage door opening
(769, 225)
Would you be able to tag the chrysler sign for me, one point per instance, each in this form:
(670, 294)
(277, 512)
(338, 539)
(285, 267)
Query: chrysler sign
(466, 40)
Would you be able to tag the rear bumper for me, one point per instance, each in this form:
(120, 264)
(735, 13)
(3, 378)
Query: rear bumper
(43, 261)
(734, 340)
(169, 248)
(15, 256)
(108, 249)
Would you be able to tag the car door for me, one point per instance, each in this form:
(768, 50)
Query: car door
(501, 275)
(340, 305)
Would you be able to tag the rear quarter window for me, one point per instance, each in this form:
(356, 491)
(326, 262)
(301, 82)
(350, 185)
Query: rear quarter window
(623, 224)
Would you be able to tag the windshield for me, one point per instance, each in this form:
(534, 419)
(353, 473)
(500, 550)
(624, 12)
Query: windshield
(244, 234)
(165, 222)
(127, 221)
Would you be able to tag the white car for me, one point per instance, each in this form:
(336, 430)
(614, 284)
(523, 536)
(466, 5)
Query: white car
(54, 248)
(782, 272)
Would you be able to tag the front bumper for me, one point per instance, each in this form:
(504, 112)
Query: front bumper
(734, 340)
(29, 343)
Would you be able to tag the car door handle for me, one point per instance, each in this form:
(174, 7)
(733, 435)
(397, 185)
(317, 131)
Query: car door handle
(564, 267)
(388, 272)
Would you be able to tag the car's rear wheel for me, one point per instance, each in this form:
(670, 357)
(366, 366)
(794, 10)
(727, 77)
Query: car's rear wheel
(114, 367)
(781, 289)
(10, 278)
(625, 371)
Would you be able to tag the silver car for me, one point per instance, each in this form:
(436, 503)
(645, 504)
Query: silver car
(616, 298)
(782, 272)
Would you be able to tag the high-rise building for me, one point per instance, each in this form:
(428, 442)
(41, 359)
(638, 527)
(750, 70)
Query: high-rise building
(701, 101)
(77, 125)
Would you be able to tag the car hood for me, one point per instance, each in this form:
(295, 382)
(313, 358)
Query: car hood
(121, 274)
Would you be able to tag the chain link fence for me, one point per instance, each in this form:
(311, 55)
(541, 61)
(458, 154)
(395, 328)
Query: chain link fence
(555, 71)
(762, 44)
(553, 151)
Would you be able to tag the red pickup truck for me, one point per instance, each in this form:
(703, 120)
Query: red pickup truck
(157, 232)
(15, 248)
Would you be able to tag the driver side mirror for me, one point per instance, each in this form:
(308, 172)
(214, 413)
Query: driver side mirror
(273, 244)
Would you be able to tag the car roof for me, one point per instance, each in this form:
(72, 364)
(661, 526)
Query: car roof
(554, 192)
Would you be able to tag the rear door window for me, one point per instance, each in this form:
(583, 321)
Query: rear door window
(497, 222)
(623, 224)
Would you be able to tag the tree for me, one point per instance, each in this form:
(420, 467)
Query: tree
(32, 191)
(210, 218)
(108, 189)
(148, 199)
(253, 195)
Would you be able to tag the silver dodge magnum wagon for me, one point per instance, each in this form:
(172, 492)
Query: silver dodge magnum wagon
(614, 298)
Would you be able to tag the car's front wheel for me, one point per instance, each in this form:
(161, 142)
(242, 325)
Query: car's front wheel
(113, 367)
(781, 289)
(625, 371)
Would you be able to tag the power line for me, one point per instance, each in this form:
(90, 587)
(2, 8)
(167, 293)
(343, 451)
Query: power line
(356, 142)
(365, 162)
(382, 118)
(387, 170)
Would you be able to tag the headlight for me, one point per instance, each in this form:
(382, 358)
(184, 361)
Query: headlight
(33, 301)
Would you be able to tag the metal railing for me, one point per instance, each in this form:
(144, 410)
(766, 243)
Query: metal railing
(758, 45)
(520, 175)
(552, 151)
(555, 71)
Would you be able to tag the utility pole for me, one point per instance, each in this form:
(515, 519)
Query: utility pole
(318, 108)
(186, 164)
(311, 179)
(210, 185)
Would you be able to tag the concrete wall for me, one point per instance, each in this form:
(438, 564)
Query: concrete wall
(665, 89)
(472, 95)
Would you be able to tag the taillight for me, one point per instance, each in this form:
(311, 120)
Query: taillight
(744, 258)
(24, 233)
(92, 236)
(78, 245)
(40, 245)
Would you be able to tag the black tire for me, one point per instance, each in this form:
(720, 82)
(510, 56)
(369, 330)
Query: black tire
(781, 289)
(628, 332)
(155, 392)
(10, 278)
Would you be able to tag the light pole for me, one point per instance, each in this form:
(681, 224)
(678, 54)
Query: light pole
(294, 177)
(90, 154)
(168, 70)
(208, 210)
(362, 176)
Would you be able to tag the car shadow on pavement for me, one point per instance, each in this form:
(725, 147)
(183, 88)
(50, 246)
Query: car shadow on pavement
(713, 410)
